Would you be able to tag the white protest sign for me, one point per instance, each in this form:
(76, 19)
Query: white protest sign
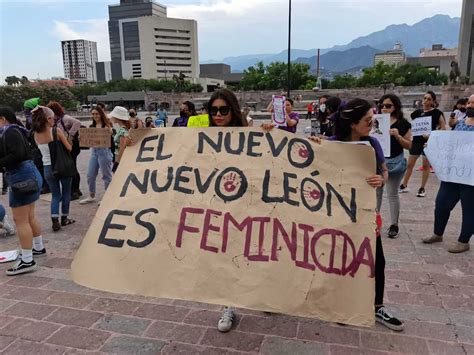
(278, 115)
(7, 256)
(421, 126)
(451, 153)
(381, 131)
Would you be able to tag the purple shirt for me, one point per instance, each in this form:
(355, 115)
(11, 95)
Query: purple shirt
(294, 116)
(379, 157)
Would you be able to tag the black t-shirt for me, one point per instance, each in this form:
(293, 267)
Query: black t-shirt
(403, 127)
(435, 117)
(14, 148)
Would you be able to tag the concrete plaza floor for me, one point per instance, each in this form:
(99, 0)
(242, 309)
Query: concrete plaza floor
(428, 288)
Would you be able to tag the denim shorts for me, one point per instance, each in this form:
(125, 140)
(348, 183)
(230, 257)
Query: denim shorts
(25, 170)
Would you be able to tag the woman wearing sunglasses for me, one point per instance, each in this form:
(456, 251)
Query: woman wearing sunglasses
(353, 124)
(400, 139)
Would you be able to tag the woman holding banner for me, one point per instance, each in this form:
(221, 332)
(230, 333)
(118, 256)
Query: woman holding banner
(450, 193)
(291, 118)
(437, 122)
(101, 158)
(400, 139)
(353, 124)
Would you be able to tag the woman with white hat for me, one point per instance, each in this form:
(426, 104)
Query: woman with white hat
(120, 116)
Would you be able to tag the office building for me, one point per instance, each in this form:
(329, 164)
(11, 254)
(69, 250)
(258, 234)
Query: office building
(394, 56)
(146, 44)
(466, 40)
(79, 58)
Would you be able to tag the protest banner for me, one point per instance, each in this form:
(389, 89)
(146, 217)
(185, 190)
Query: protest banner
(381, 131)
(279, 113)
(421, 126)
(9, 256)
(451, 154)
(200, 121)
(236, 216)
(95, 137)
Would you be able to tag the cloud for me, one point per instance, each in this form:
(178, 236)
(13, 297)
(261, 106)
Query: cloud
(93, 30)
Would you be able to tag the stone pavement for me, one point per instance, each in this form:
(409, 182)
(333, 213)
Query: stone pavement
(46, 313)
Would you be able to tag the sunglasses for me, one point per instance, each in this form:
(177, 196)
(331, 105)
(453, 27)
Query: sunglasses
(224, 110)
(387, 106)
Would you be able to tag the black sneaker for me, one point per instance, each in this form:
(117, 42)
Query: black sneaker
(21, 267)
(75, 196)
(392, 231)
(387, 319)
(421, 192)
(39, 252)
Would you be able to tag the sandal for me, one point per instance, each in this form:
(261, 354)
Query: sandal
(56, 224)
(66, 221)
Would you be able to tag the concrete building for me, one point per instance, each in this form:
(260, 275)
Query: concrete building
(466, 40)
(79, 58)
(220, 71)
(394, 56)
(146, 44)
(437, 58)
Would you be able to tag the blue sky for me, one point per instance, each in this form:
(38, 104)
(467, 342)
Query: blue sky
(31, 31)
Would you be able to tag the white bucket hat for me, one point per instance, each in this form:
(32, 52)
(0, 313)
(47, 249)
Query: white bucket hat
(120, 113)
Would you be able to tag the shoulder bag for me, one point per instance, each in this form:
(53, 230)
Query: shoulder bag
(396, 165)
(62, 164)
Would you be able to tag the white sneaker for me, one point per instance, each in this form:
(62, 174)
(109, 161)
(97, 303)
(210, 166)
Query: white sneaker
(87, 200)
(8, 225)
(226, 320)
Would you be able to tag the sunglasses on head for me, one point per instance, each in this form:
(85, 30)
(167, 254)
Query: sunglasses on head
(224, 110)
(387, 106)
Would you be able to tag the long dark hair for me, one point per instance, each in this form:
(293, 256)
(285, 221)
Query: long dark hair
(57, 108)
(191, 108)
(105, 122)
(397, 104)
(350, 114)
(9, 115)
(230, 99)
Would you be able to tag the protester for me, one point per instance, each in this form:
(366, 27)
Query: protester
(292, 118)
(101, 158)
(187, 110)
(309, 109)
(322, 115)
(162, 116)
(15, 158)
(437, 122)
(7, 228)
(333, 104)
(353, 124)
(119, 115)
(450, 193)
(149, 122)
(135, 122)
(400, 139)
(459, 112)
(70, 127)
(44, 127)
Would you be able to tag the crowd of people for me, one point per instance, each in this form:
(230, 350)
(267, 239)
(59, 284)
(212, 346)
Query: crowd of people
(28, 156)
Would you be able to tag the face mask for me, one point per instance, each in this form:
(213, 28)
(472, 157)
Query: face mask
(463, 109)
(322, 108)
(470, 112)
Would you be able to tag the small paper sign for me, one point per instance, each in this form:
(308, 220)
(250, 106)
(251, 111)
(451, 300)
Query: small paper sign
(381, 131)
(278, 115)
(8, 256)
(421, 126)
(95, 137)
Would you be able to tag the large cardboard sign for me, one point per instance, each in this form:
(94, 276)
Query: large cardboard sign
(381, 131)
(451, 153)
(95, 137)
(236, 216)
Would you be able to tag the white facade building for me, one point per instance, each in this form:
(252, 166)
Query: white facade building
(79, 58)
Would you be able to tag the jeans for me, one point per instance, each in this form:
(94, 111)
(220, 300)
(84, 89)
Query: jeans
(100, 158)
(393, 185)
(449, 194)
(379, 194)
(61, 191)
(2, 212)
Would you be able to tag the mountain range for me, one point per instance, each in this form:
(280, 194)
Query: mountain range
(359, 53)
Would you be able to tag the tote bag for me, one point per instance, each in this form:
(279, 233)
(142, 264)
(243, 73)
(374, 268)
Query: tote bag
(62, 164)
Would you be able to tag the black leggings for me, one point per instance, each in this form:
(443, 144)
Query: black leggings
(379, 272)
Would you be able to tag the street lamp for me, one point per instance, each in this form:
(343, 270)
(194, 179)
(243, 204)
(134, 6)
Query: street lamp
(289, 50)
